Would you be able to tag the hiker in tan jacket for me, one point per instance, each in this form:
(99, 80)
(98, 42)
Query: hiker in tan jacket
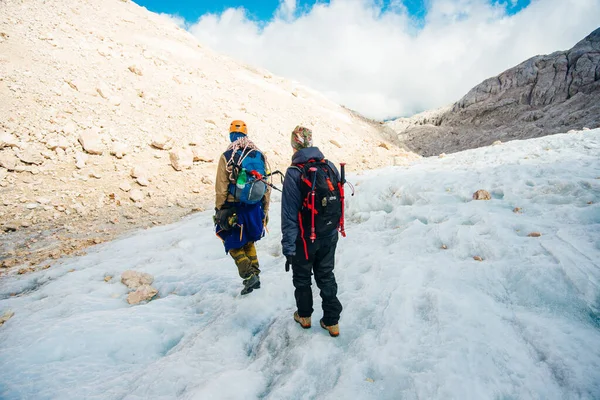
(242, 203)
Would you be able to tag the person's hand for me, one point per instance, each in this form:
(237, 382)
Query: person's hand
(266, 220)
(288, 262)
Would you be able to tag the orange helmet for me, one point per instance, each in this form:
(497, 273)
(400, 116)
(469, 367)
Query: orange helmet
(238, 126)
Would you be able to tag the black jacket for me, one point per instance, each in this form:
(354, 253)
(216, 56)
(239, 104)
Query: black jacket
(291, 200)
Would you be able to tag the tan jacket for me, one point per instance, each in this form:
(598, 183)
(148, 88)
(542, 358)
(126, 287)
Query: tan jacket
(222, 185)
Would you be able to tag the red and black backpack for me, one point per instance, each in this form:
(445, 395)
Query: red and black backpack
(322, 194)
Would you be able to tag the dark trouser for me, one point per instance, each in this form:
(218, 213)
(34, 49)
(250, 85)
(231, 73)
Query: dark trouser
(246, 260)
(321, 260)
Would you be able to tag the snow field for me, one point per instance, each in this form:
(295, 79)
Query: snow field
(419, 321)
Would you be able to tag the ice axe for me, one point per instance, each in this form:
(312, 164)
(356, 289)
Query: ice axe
(342, 228)
(313, 234)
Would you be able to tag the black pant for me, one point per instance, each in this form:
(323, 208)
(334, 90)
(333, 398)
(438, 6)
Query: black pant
(321, 260)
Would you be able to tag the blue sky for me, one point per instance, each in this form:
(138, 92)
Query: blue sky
(263, 10)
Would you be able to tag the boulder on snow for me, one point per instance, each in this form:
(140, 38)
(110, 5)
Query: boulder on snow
(482, 195)
(135, 279)
(143, 293)
(181, 159)
(91, 142)
(534, 234)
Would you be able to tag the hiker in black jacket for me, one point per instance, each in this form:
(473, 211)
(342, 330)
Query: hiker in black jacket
(308, 253)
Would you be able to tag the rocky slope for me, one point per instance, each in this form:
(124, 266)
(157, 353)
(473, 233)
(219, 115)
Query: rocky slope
(541, 96)
(112, 117)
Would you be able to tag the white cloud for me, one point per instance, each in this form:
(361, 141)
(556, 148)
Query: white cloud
(286, 10)
(384, 64)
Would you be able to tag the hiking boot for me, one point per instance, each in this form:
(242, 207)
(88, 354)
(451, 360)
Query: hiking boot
(303, 321)
(250, 284)
(334, 330)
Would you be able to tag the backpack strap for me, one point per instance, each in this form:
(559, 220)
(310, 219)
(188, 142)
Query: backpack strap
(301, 167)
(302, 234)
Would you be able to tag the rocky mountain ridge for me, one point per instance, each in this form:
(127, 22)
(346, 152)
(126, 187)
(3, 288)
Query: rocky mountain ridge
(544, 95)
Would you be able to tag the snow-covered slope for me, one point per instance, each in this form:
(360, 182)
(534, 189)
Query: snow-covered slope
(420, 321)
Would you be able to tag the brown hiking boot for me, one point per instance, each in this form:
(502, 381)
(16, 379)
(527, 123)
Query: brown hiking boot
(334, 330)
(251, 283)
(303, 321)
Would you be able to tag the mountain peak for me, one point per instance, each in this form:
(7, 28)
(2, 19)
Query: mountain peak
(543, 95)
